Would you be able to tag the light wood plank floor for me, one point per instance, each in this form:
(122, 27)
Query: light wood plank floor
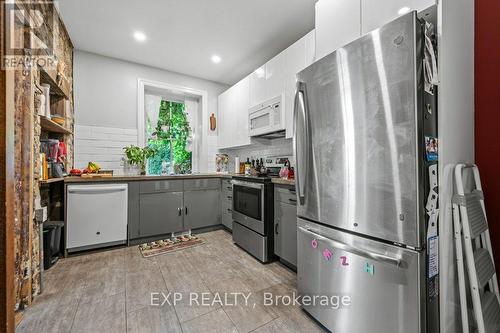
(110, 291)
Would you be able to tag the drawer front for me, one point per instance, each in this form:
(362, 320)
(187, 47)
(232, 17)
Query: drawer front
(285, 194)
(227, 196)
(227, 221)
(153, 186)
(202, 184)
(227, 207)
(227, 185)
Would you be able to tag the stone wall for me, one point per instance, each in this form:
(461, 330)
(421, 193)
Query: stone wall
(27, 150)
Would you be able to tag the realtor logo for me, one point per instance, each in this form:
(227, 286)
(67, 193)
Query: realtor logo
(28, 40)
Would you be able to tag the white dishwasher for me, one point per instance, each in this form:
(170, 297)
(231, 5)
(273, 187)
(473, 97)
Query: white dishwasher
(96, 216)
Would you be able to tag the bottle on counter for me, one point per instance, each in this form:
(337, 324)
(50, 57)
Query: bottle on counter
(248, 167)
(284, 170)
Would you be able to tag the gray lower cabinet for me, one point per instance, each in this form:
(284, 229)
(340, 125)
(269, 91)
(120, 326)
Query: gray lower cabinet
(285, 227)
(200, 208)
(227, 203)
(160, 213)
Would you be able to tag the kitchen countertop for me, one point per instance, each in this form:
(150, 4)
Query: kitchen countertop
(138, 178)
(281, 181)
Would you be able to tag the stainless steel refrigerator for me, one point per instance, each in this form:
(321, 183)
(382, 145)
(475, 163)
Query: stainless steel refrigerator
(366, 154)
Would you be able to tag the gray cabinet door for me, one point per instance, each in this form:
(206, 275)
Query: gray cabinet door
(133, 210)
(160, 213)
(285, 229)
(201, 208)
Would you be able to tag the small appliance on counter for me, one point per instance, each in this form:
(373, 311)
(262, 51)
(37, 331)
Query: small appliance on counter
(54, 152)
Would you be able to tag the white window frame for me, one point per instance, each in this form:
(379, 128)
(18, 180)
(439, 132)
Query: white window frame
(198, 153)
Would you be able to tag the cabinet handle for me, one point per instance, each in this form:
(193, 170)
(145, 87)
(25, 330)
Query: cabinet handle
(229, 197)
(186, 210)
(229, 210)
(179, 210)
(276, 228)
(292, 200)
(229, 187)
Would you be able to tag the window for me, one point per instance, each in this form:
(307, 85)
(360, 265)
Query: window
(169, 132)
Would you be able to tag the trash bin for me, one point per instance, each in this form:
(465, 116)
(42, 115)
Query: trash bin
(51, 242)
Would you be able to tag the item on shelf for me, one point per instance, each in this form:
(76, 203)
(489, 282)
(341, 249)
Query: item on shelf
(221, 162)
(57, 119)
(40, 100)
(46, 93)
(242, 168)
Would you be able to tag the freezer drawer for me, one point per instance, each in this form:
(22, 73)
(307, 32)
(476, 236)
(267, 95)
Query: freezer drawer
(96, 215)
(382, 281)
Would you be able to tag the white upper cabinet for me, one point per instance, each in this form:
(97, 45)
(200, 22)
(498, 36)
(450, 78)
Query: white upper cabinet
(275, 83)
(233, 115)
(338, 22)
(258, 86)
(297, 57)
(267, 81)
(310, 39)
(376, 13)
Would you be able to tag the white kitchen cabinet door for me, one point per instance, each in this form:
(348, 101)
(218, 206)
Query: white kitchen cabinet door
(267, 81)
(258, 86)
(224, 127)
(275, 76)
(233, 116)
(241, 98)
(376, 13)
(338, 22)
(295, 61)
(310, 39)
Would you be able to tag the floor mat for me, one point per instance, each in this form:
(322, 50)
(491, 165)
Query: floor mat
(152, 249)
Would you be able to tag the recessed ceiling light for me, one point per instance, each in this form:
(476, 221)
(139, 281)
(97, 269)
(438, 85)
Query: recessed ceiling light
(216, 59)
(403, 10)
(139, 36)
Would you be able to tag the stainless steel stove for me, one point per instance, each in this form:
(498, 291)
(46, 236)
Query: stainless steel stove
(253, 211)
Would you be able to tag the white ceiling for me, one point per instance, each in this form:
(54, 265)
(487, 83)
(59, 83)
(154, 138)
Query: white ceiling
(182, 35)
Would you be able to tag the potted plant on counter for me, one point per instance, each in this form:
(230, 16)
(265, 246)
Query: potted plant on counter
(139, 156)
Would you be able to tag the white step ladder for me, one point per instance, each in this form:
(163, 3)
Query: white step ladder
(469, 221)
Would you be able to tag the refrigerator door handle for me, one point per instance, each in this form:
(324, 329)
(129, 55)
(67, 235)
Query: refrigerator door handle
(300, 114)
(364, 253)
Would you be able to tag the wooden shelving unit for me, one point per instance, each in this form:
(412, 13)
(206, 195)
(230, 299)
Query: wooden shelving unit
(50, 126)
(58, 87)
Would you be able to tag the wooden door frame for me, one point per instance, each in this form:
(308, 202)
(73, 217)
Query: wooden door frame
(7, 110)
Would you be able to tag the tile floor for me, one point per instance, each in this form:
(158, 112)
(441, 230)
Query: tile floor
(110, 291)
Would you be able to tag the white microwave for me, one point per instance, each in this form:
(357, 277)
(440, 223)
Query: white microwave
(267, 118)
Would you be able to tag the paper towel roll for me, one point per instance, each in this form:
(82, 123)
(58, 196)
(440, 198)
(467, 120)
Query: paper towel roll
(236, 164)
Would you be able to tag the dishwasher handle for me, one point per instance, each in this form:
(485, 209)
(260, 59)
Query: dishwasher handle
(364, 253)
(95, 189)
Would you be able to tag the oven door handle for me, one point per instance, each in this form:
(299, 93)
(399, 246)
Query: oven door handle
(247, 184)
(364, 253)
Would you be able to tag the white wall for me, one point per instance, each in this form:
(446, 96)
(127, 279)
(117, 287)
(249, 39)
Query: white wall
(456, 135)
(105, 91)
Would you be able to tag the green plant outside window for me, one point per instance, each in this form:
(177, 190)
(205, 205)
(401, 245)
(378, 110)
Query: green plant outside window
(169, 136)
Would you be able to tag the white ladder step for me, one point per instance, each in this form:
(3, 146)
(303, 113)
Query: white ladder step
(484, 266)
(477, 220)
(491, 311)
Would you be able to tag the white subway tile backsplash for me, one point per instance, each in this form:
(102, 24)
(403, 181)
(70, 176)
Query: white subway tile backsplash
(260, 148)
(103, 145)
